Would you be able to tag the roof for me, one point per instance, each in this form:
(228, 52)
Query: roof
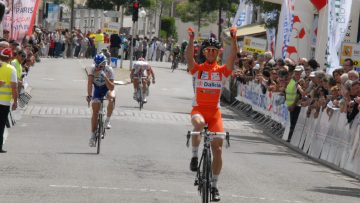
(247, 30)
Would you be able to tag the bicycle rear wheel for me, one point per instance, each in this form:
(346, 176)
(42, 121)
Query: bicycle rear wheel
(205, 188)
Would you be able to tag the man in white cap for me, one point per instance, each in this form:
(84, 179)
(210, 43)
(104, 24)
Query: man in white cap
(293, 94)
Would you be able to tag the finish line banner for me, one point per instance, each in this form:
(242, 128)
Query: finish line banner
(20, 20)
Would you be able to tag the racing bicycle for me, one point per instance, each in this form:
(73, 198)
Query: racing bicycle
(204, 174)
(175, 63)
(140, 94)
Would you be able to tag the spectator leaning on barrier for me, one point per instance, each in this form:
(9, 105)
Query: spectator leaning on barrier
(20, 56)
(353, 105)
(293, 93)
(8, 91)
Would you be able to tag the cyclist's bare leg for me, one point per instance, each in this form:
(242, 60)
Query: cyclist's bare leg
(216, 147)
(111, 104)
(95, 108)
(135, 84)
(144, 86)
(199, 123)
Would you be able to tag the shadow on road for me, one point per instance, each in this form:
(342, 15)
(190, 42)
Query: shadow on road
(343, 191)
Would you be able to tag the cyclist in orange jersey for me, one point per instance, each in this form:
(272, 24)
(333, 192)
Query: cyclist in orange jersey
(208, 83)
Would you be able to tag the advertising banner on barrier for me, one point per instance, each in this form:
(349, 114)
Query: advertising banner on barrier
(270, 104)
(350, 50)
(327, 136)
(254, 45)
(20, 20)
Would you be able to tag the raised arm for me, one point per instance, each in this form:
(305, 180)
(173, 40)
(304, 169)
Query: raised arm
(234, 49)
(190, 50)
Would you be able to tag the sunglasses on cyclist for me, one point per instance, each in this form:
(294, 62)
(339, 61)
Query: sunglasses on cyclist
(100, 66)
(207, 50)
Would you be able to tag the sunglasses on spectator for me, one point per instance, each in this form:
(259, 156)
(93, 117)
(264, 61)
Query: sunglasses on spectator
(211, 50)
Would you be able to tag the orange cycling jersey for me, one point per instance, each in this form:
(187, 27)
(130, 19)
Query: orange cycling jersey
(208, 84)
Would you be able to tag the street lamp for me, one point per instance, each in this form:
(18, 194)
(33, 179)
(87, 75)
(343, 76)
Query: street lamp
(142, 15)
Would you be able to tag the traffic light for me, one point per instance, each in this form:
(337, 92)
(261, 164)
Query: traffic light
(135, 15)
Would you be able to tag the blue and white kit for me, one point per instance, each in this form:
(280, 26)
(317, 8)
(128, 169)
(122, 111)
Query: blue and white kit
(100, 89)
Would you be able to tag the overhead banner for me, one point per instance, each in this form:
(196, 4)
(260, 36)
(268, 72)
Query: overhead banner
(350, 50)
(338, 18)
(254, 45)
(244, 14)
(20, 20)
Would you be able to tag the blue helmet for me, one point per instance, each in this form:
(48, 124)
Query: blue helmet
(99, 59)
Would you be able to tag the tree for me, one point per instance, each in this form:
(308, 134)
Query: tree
(168, 27)
(195, 11)
(100, 4)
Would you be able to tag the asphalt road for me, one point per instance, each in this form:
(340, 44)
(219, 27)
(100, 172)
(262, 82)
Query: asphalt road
(144, 157)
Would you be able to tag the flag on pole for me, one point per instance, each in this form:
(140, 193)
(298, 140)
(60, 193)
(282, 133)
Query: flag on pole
(243, 15)
(271, 36)
(319, 4)
(338, 19)
(287, 12)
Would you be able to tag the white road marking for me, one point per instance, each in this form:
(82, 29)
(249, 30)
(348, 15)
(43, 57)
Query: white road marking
(79, 80)
(50, 79)
(166, 191)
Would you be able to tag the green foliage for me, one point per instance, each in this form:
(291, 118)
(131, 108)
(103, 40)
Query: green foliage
(100, 4)
(195, 11)
(168, 27)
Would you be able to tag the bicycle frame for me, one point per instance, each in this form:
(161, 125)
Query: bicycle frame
(100, 130)
(204, 171)
(140, 92)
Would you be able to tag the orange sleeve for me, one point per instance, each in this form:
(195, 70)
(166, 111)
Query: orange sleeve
(226, 71)
(195, 69)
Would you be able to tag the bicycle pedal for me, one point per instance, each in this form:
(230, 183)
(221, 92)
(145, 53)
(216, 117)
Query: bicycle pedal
(196, 183)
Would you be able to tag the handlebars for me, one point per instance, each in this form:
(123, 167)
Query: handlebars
(211, 135)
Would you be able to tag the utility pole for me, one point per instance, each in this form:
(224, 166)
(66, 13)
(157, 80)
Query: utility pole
(135, 16)
(72, 15)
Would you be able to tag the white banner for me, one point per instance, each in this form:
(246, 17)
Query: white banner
(20, 20)
(338, 18)
(243, 15)
(287, 13)
(271, 36)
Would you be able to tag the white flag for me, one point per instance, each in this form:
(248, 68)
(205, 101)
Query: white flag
(271, 35)
(243, 15)
(285, 28)
(338, 19)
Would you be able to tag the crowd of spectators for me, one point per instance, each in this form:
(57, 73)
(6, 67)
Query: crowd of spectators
(312, 86)
(76, 44)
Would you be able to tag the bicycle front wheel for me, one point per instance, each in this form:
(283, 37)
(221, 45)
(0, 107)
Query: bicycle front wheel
(98, 134)
(205, 188)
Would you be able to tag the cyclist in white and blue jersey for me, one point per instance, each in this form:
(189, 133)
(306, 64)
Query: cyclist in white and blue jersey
(100, 84)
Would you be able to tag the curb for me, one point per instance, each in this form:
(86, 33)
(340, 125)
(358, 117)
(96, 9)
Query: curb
(295, 149)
